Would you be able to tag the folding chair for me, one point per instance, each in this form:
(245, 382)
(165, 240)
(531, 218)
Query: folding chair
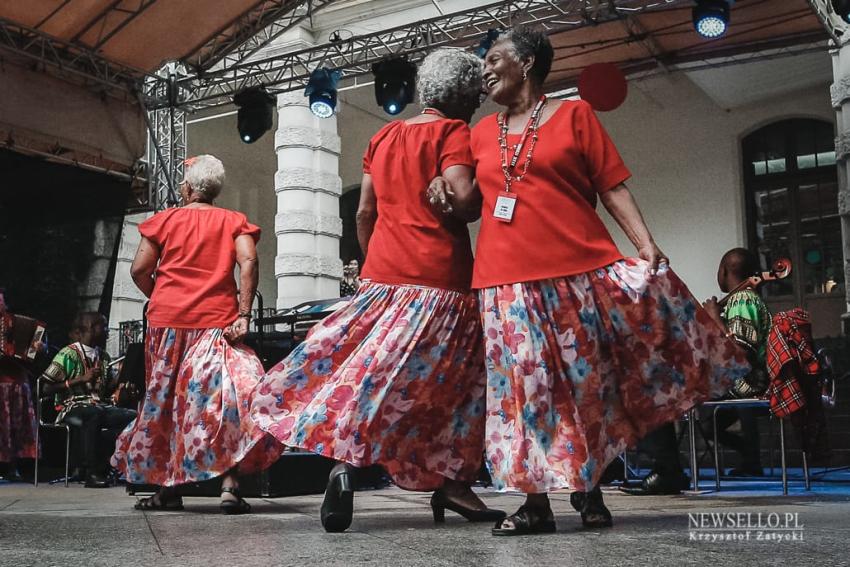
(49, 425)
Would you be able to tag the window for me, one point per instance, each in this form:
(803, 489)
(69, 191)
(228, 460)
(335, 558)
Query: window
(792, 208)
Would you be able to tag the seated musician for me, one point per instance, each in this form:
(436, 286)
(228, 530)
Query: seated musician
(17, 416)
(747, 319)
(80, 379)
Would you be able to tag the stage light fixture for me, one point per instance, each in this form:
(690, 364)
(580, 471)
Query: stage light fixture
(842, 9)
(395, 83)
(255, 115)
(321, 90)
(711, 17)
(487, 42)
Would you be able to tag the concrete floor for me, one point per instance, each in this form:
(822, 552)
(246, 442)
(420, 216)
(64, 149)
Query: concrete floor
(58, 526)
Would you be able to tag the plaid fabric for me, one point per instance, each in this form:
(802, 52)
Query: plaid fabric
(790, 340)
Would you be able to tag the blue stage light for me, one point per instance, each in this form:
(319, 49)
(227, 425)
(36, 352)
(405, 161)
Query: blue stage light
(321, 90)
(395, 83)
(711, 17)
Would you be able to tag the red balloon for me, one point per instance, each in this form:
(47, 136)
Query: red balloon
(603, 85)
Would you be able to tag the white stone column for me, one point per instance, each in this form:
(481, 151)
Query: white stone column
(127, 300)
(840, 92)
(308, 186)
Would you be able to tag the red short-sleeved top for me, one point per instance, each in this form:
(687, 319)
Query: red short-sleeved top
(410, 243)
(555, 229)
(195, 286)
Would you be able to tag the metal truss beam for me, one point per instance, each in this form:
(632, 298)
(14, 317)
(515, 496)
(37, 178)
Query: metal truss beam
(255, 29)
(166, 147)
(354, 56)
(67, 58)
(834, 25)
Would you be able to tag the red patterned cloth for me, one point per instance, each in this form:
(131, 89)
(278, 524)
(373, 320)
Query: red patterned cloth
(193, 424)
(790, 340)
(17, 414)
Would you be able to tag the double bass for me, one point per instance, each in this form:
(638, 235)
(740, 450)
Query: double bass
(779, 270)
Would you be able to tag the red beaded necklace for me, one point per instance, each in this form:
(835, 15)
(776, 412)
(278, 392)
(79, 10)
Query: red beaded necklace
(531, 127)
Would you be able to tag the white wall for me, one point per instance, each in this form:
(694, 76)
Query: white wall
(684, 154)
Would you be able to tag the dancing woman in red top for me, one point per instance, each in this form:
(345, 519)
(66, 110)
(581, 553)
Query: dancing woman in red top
(587, 350)
(193, 424)
(396, 378)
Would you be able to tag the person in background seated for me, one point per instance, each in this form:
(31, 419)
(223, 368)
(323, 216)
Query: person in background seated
(746, 319)
(350, 278)
(79, 378)
(17, 417)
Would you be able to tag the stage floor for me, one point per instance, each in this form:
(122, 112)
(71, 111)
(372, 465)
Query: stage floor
(54, 525)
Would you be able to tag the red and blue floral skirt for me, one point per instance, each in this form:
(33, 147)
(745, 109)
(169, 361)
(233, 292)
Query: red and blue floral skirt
(579, 368)
(395, 378)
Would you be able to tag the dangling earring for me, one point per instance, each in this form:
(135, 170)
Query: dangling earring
(524, 74)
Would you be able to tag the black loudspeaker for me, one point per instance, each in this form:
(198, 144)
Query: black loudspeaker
(294, 474)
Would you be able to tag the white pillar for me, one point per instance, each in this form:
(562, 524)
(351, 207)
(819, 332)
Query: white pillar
(308, 186)
(127, 300)
(840, 92)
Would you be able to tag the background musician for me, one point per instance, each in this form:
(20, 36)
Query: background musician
(80, 379)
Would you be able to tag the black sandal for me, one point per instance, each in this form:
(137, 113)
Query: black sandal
(526, 521)
(168, 505)
(593, 512)
(233, 507)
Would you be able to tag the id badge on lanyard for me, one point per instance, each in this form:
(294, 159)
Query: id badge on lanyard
(505, 205)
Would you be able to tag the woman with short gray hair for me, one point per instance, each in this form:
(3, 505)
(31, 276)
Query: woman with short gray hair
(396, 377)
(193, 424)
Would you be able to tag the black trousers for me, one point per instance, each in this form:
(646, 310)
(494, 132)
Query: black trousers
(663, 448)
(747, 443)
(88, 421)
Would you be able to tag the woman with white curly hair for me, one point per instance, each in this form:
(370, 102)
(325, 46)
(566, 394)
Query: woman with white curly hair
(396, 377)
(193, 424)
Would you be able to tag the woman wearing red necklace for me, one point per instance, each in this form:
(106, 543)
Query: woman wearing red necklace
(587, 350)
(396, 377)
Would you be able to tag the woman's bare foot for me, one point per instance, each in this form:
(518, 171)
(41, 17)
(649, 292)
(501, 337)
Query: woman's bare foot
(462, 494)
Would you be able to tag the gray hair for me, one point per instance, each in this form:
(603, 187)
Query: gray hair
(205, 174)
(447, 77)
(529, 42)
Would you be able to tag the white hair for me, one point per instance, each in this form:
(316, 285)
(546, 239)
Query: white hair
(205, 174)
(448, 77)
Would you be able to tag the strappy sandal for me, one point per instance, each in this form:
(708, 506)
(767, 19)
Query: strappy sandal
(167, 505)
(234, 507)
(593, 512)
(526, 521)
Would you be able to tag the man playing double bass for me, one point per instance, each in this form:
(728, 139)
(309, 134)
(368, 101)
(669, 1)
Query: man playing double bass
(79, 377)
(746, 318)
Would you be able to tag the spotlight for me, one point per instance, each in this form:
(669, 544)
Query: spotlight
(255, 114)
(842, 9)
(321, 88)
(486, 42)
(394, 84)
(711, 17)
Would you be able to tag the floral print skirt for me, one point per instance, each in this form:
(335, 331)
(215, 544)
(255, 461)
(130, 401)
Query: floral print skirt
(580, 368)
(193, 424)
(395, 378)
(17, 420)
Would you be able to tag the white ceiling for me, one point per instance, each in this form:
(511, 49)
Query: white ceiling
(745, 83)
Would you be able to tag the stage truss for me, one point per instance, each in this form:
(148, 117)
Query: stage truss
(233, 61)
